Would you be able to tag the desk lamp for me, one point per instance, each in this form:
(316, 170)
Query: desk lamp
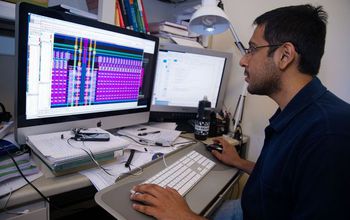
(209, 19)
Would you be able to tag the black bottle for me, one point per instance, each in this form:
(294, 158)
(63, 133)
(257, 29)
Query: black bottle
(202, 122)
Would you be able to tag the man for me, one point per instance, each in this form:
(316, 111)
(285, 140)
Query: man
(302, 171)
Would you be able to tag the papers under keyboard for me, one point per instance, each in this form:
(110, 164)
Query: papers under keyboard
(184, 173)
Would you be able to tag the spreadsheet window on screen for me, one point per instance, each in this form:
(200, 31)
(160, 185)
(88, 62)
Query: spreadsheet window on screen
(183, 78)
(75, 69)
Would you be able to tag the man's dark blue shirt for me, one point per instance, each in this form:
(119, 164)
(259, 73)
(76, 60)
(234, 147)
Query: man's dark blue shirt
(303, 171)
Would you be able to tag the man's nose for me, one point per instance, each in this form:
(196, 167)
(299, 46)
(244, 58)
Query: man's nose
(243, 62)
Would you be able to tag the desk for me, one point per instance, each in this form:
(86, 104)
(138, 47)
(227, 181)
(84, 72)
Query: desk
(203, 198)
(76, 188)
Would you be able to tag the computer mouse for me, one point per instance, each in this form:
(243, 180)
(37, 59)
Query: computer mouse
(214, 146)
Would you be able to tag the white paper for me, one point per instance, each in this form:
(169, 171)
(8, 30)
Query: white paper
(16, 183)
(163, 125)
(52, 145)
(11, 138)
(5, 128)
(102, 180)
(164, 136)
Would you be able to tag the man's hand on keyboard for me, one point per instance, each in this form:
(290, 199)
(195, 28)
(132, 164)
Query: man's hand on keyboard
(161, 203)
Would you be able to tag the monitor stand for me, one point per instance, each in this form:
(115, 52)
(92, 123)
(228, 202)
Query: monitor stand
(184, 120)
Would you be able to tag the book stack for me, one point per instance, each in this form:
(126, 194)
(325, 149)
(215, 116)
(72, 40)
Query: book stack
(166, 28)
(63, 155)
(8, 169)
(131, 14)
(177, 33)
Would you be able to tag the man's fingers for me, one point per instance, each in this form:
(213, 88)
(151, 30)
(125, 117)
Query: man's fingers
(217, 154)
(143, 197)
(148, 210)
(151, 189)
(172, 190)
(218, 139)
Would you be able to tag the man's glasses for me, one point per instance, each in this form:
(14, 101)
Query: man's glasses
(252, 49)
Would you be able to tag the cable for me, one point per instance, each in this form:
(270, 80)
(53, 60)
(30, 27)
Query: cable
(139, 172)
(7, 200)
(141, 141)
(144, 142)
(96, 162)
(90, 155)
(165, 164)
(186, 142)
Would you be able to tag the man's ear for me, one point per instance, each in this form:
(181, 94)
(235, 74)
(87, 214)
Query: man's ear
(287, 55)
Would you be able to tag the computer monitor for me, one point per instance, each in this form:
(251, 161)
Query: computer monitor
(75, 72)
(184, 76)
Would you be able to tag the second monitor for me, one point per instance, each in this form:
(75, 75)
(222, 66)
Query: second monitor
(184, 76)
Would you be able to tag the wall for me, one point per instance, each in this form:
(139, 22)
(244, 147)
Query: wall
(78, 4)
(7, 58)
(334, 71)
(159, 11)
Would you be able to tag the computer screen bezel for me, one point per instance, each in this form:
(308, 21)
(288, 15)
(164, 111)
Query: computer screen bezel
(64, 122)
(165, 113)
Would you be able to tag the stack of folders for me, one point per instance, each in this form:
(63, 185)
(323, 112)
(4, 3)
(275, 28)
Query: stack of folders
(64, 155)
(174, 33)
(8, 170)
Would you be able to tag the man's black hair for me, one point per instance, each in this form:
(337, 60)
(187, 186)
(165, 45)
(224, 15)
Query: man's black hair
(304, 26)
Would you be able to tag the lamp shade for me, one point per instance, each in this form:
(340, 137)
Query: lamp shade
(209, 19)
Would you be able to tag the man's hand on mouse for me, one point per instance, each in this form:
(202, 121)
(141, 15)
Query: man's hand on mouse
(161, 203)
(229, 153)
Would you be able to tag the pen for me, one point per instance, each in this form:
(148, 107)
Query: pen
(146, 133)
(128, 162)
(141, 129)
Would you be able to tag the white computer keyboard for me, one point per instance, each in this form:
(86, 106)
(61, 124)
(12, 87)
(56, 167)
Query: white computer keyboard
(184, 173)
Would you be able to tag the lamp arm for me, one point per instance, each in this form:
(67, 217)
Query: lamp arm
(238, 42)
(238, 114)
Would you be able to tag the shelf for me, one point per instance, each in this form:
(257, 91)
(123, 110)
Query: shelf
(7, 11)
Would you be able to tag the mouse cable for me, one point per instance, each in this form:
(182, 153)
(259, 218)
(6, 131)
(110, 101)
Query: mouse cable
(165, 164)
(130, 173)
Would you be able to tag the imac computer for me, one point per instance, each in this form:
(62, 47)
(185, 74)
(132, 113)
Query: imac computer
(75, 72)
(184, 76)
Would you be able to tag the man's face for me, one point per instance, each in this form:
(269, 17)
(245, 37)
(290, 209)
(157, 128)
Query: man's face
(262, 74)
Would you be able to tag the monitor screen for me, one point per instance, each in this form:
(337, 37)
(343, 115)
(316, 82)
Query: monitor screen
(77, 72)
(184, 76)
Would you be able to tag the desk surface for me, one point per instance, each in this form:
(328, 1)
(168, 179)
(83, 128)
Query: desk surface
(51, 185)
(115, 198)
